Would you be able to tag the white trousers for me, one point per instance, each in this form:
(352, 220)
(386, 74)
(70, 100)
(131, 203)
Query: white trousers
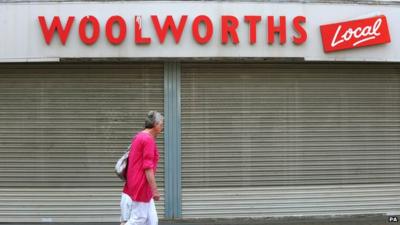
(138, 213)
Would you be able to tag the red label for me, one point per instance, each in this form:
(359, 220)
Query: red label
(355, 34)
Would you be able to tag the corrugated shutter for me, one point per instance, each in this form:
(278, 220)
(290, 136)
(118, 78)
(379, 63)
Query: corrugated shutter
(62, 128)
(261, 140)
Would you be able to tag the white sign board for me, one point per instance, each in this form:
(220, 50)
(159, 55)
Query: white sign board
(203, 29)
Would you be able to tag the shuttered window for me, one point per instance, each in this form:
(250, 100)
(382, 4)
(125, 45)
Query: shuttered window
(261, 140)
(62, 127)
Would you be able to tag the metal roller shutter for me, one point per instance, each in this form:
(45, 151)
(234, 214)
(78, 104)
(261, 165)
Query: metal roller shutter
(62, 127)
(262, 140)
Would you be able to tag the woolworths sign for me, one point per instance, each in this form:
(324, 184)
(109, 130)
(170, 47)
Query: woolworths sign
(311, 32)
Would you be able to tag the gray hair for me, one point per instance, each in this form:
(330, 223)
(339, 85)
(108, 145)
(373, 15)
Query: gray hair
(153, 118)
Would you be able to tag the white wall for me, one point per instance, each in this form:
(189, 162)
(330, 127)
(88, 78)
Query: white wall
(21, 38)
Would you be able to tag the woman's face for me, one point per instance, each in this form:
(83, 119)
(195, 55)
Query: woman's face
(159, 127)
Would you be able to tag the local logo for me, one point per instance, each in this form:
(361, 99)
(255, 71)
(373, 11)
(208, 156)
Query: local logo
(355, 34)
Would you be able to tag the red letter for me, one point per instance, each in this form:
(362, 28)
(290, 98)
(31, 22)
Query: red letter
(209, 29)
(281, 29)
(82, 29)
(169, 24)
(300, 30)
(229, 25)
(252, 20)
(56, 25)
(122, 30)
(138, 32)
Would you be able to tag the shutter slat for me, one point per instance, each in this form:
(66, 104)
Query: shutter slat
(62, 128)
(263, 140)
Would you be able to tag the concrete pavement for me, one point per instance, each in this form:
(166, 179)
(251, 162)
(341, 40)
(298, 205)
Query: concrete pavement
(339, 220)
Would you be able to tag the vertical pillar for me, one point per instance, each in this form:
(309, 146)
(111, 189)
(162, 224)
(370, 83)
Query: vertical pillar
(172, 139)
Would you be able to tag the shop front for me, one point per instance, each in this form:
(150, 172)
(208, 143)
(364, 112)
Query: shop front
(272, 109)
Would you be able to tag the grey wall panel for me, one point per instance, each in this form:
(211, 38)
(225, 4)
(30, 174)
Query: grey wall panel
(62, 127)
(290, 139)
(172, 140)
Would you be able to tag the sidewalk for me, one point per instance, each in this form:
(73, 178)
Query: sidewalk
(343, 220)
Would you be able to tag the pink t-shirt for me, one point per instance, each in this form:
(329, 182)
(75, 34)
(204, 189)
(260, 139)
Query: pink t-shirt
(143, 155)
